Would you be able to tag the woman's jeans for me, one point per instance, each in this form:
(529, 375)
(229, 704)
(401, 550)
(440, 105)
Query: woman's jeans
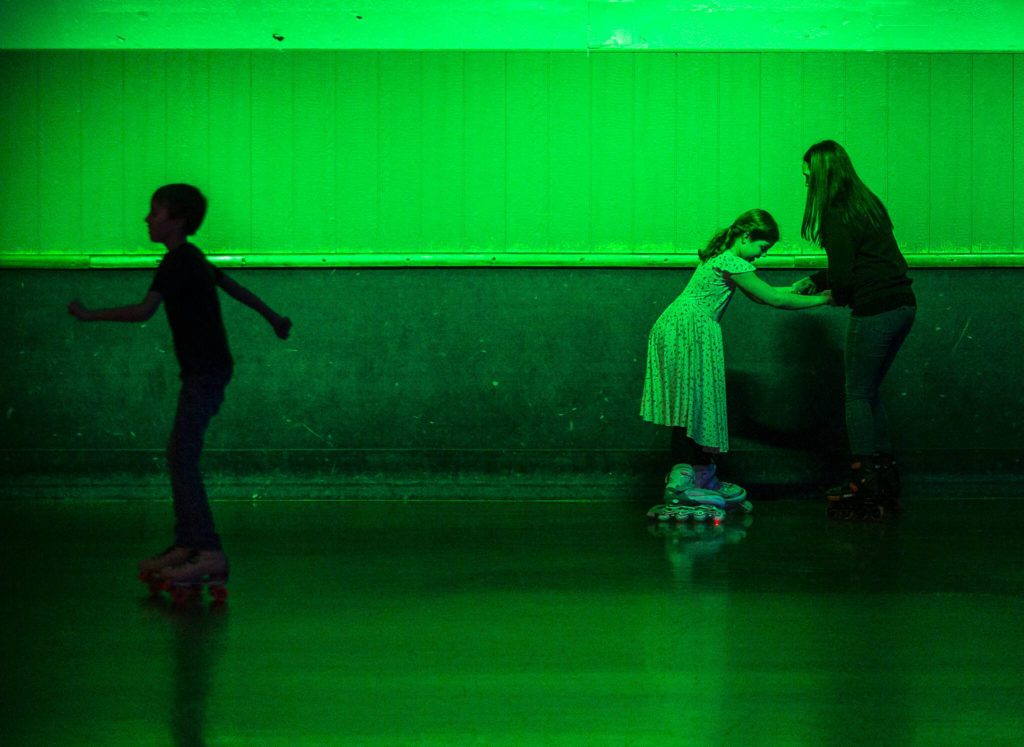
(200, 398)
(871, 346)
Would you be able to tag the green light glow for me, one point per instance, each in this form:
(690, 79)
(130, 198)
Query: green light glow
(577, 25)
(329, 158)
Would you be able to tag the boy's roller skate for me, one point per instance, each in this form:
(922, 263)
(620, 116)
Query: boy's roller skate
(149, 569)
(706, 477)
(206, 568)
(862, 496)
(684, 501)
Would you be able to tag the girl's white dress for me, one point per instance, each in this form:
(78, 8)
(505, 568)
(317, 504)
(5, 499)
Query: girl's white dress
(685, 383)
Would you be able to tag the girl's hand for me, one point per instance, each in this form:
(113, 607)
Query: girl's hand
(805, 287)
(827, 295)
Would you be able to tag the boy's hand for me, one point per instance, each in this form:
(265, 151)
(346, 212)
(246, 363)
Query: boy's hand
(828, 295)
(77, 309)
(282, 327)
(805, 287)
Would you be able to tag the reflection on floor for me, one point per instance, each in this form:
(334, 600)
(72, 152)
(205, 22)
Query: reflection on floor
(518, 623)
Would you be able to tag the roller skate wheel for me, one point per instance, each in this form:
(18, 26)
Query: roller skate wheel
(219, 594)
(149, 579)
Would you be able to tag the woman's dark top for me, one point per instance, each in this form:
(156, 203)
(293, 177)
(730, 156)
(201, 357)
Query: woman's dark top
(866, 270)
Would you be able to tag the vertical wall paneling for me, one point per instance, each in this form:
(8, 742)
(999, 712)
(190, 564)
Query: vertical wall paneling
(949, 153)
(739, 93)
(323, 151)
(868, 117)
(229, 225)
(102, 161)
(357, 212)
(146, 139)
(568, 152)
(402, 102)
(907, 197)
(315, 153)
(20, 152)
(991, 154)
(782, 147)
(654, 163)
(485, 151)
(527, 144)
(1018, 154)
(188, 118)
(60, 150)
(273, 154)
(697, 159)
(824, 93)
(613, 151)
(444, 188)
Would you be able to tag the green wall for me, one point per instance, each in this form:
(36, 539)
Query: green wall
(925, 25)
(488, 376)
(309, 156)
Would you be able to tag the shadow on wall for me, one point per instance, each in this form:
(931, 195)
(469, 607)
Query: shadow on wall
(787, 392)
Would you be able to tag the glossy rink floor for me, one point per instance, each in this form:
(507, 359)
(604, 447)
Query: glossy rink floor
(518, 623)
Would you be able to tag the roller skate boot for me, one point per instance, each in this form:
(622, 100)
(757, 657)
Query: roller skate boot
(680, 477)
(150, 568)
(706, 477)
(689, 503)
(205, 565)
(860, 497)
(889, 486)
(171, 556)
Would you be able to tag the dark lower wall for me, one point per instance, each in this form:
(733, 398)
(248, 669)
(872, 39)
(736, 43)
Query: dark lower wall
(396, 380)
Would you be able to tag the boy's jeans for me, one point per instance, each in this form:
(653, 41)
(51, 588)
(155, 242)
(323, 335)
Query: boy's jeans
(871, 346)
(200, 398)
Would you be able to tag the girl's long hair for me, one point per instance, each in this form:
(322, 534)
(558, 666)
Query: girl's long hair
(835, 191)
(758, 223)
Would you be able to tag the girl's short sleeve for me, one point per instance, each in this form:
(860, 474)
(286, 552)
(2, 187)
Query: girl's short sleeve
(729, 262)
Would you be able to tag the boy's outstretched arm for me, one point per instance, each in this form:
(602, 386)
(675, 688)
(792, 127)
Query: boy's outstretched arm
(282, 325)
(139, 312)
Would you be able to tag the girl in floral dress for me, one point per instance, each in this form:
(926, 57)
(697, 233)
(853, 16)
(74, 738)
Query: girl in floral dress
(685, 383)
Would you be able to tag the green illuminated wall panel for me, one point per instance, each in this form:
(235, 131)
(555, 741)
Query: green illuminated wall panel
(1018, 162)
(949, 160)
(578, 25)
(306, 155)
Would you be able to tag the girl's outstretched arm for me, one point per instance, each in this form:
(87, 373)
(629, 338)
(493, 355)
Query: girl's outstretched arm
(282, 325)
(804, 287)
(780, 298)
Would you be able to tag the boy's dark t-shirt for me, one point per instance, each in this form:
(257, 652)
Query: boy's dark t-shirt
(188, 283)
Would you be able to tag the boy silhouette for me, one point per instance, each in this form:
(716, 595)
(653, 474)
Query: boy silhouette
(186, 282)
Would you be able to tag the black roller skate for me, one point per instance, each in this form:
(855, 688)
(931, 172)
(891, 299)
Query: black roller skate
(889, 486)
(861, 498)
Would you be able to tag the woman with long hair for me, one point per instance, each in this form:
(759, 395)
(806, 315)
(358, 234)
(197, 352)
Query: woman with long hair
(866, 272)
